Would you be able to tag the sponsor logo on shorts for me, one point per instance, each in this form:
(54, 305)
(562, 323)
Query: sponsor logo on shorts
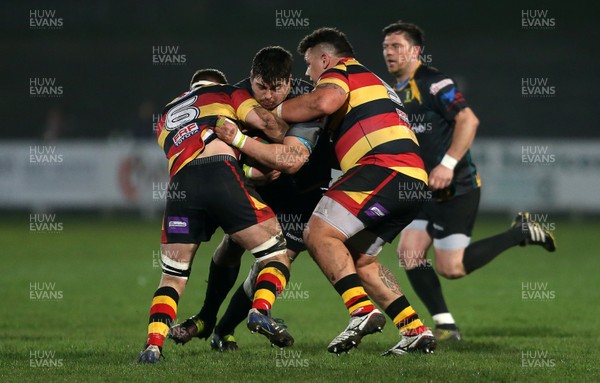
(294, 238)
(435, 87)
(178, 225)
(376, 211)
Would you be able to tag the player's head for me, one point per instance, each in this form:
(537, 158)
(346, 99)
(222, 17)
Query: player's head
(402, 43)
(208, 74)
(322, 50)
(270, 76)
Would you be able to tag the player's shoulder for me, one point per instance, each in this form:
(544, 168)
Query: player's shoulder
(428, 74)
(212, 87)
(244, 84)
(431, 79)
(343, 67)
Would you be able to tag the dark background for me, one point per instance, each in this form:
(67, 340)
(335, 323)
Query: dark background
(102, 57)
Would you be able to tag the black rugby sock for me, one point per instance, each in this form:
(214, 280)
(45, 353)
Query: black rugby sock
(236, 312)
(427, 285)
(480, 253)
(220, 281)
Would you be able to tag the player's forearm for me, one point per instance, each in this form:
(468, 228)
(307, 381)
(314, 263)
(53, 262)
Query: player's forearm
(273, 126)
(465, 129)
(285, 158)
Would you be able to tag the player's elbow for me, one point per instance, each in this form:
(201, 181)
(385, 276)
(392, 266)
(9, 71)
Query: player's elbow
(474, 121)
(294, 164)
(469, 119)
(325, 107)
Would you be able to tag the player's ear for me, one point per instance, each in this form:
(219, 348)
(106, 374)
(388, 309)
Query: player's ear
(325, 59)
(418, 50)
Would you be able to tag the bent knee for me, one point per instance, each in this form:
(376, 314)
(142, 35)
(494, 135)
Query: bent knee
(452, 270)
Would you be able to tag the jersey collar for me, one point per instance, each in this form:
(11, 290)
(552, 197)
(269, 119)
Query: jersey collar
(400, 86)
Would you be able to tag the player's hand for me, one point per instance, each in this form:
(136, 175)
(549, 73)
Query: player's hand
(227, 131)
(261, 178)
(273, 175)
(440, 177)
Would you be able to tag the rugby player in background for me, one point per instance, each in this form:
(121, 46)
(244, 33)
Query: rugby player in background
(197, 158)
(445, 127)
(376, 151)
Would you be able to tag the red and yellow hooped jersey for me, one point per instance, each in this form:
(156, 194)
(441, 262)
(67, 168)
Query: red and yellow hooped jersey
(185, 127)
(372, 126)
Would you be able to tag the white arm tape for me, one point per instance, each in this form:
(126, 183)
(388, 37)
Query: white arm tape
(449, 162)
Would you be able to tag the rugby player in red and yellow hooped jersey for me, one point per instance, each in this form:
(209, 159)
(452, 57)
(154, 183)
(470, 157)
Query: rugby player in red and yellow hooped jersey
(208, 190)
(370, 204)
(186, 125)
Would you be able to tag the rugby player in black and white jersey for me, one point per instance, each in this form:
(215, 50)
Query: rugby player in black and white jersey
(445, 126)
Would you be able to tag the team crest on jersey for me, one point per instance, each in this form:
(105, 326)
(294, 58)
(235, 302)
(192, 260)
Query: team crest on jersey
(435, 87)
(448, 97)
(185, 132)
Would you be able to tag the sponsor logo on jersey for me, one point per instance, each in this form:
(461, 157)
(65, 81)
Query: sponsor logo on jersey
(184, 133)
(403, 116)
(435, 87)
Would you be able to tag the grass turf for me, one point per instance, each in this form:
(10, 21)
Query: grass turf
(95, 279)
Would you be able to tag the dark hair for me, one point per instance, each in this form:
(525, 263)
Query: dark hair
(330, 36)
(209, 74)
(272, 64)
(412, 32)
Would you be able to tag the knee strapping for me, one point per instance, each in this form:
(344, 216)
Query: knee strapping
(272, 247)
(175, 268)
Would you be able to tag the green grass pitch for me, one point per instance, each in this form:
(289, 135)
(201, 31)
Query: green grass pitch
(75, 308)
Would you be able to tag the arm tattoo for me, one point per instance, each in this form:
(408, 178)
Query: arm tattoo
(334, 87)
(389, 280)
